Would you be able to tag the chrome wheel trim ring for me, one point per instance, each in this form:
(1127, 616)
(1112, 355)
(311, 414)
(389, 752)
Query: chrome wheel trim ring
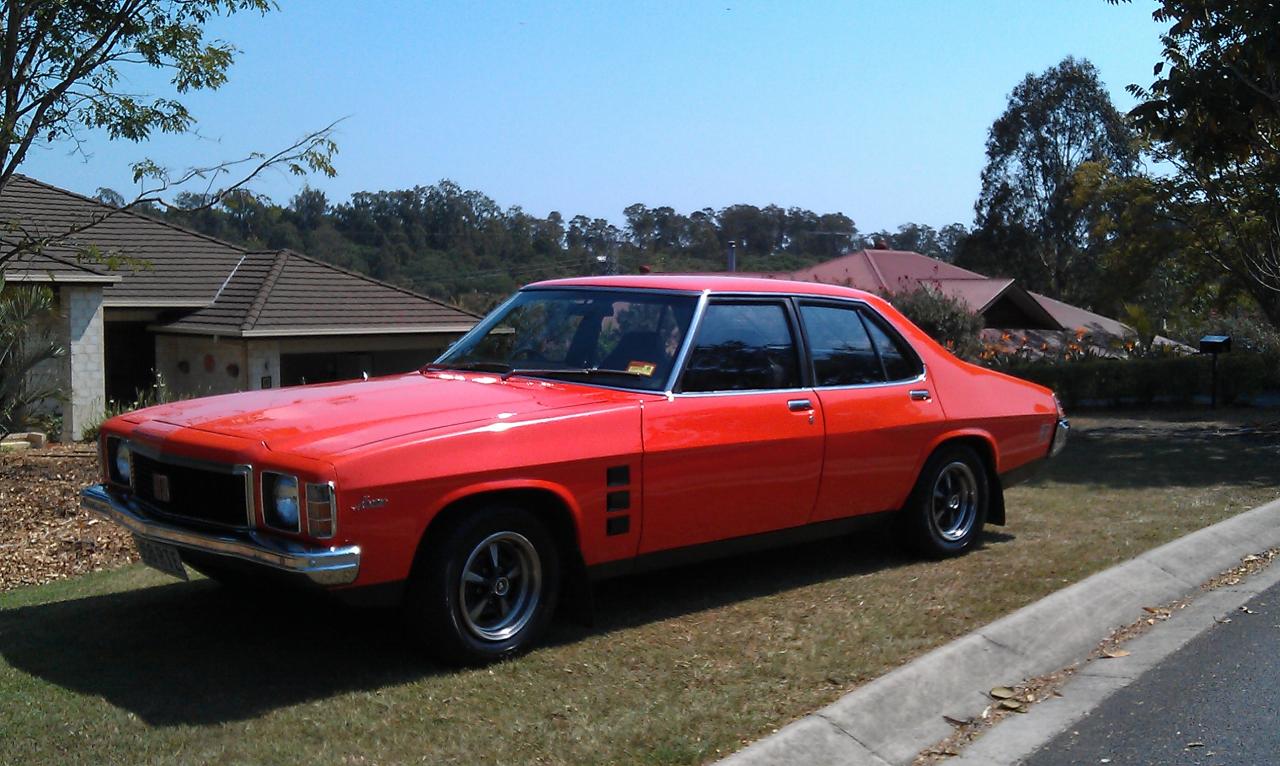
(953, 504)
(500, 586)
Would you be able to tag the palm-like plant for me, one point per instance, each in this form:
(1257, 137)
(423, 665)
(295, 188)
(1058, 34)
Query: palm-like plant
(25, 343)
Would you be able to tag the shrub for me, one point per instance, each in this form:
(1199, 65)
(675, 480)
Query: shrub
(158, 393)
(1155, 379)
(944, 318)
(25, 344)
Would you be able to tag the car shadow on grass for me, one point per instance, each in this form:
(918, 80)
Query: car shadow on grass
(1119, 458)
(197, 654)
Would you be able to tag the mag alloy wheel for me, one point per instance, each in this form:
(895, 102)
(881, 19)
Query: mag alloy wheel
(954, 502)
(500, 586)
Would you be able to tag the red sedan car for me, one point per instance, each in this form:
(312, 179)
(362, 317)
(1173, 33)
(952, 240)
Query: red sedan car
(587, 427)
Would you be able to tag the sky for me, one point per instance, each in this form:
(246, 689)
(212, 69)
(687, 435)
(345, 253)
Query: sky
(879, 110)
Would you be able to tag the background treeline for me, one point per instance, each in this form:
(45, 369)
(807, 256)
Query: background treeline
(460, 245)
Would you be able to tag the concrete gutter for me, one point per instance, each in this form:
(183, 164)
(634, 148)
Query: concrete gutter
(888, 721)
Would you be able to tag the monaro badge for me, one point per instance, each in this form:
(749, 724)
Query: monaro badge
(369, 503)
(160, 487)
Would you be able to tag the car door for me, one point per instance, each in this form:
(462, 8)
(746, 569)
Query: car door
(737, 448)
(880, 412)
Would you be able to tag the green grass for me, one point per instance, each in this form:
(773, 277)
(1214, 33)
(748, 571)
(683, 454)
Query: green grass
(680, 667)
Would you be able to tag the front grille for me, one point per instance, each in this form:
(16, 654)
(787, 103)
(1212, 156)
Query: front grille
(198, 494)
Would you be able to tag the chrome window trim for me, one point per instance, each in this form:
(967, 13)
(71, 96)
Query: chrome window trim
(921, 378)
(243, 470)
(262, 494)
(677, 366)
(797, 341)
(858, 302)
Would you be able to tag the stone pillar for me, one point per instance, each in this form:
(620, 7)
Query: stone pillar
(264, 364)
(85, 360)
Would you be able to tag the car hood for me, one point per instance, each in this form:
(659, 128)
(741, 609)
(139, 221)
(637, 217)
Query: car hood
(326, 419)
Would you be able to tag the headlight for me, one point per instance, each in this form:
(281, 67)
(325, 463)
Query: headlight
(281, 507)
(123, 464)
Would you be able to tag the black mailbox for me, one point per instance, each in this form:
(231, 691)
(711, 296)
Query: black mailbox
(1215, 344)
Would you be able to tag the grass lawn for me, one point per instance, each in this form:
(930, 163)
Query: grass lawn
(682, 666)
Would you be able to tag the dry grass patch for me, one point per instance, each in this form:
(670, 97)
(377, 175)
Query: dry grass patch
(680, 667)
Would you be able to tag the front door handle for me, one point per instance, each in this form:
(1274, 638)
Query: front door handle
(920, 395)
(799, 405)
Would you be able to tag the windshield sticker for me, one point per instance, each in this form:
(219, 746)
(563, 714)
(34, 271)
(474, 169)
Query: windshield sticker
(641, 368)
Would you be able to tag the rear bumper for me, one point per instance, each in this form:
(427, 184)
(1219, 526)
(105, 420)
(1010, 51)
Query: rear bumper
(1059, 437)
(322, 566)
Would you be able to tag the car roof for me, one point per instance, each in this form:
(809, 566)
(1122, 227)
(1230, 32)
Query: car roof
(717, 283)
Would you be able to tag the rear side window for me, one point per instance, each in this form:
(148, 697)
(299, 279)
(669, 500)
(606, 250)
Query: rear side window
(743, 346)
(840, 346)
(900, 362)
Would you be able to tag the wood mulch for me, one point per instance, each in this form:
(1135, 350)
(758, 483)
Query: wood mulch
(44, 533)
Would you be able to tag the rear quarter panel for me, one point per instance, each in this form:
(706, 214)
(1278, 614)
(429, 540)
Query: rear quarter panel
(1016, 417)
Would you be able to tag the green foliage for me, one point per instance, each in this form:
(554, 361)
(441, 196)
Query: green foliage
(1158, 379)
(1213, 114)
(1027, 225)
(460, 245)
(25, 343)
(944, 318)
(66, 66)
(943, 244)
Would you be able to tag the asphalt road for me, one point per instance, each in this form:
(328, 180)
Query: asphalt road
(1214, 701)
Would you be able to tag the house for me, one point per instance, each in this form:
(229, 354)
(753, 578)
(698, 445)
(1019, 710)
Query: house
(206, 316)
(1005, 306)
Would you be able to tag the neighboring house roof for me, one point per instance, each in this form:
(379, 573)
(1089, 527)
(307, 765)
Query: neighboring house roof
(283, 293)
(181, 268)
(52, 265)
(233, 291)
(1002, 302)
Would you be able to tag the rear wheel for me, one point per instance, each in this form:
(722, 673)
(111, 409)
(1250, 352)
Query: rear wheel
(486, 587)
(948, 507)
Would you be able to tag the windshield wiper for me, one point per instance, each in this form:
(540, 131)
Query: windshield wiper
(585, 371)
(470, 367)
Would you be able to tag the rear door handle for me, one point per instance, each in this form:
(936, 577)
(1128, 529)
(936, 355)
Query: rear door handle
(799, 405)
(920, 395)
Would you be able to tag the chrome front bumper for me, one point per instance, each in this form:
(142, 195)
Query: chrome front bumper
(323, 566)
(1059, 437)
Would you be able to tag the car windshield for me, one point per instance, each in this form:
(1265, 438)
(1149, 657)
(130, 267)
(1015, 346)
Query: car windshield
(624, 338)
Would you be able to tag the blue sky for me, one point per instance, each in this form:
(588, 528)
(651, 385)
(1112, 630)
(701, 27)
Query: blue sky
(879, 109)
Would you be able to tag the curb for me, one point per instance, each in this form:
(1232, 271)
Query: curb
(888, 721)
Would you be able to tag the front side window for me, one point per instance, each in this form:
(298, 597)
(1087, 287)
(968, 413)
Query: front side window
(741, 347)
(624, 338)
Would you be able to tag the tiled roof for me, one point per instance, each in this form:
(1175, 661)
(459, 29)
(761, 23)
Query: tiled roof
(284, 293)
(890, 271)
(52, 264)
(234, 291)
(178, 267)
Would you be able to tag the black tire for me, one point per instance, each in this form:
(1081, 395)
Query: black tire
(512, 580)
(948, 506)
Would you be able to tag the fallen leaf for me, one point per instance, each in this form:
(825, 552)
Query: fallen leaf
(1002, 692)
(1011, 704)
(1115, 653)
(1194, 744)
(957, 721)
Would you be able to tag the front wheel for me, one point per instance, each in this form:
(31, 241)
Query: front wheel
(486, 588)
(948, 507)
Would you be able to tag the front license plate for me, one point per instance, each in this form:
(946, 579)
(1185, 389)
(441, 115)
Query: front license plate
(162, 557)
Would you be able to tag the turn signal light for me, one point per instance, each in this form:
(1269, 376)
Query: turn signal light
(321, 510)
